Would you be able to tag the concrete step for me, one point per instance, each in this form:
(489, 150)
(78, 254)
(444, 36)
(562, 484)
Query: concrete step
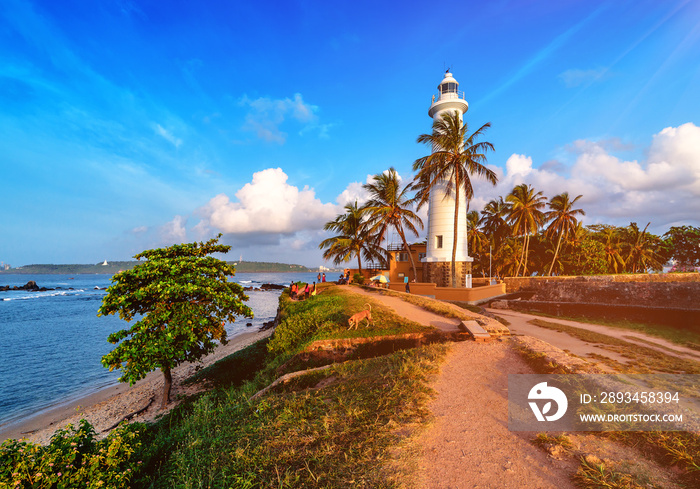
(475, 330)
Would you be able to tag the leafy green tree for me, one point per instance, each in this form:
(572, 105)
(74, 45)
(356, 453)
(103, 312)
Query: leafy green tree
(182, 299)
(390, 206)
(593, 257)
(610, 237)
(455, 158)
(682, 244)
(353, 238)
(562, 218)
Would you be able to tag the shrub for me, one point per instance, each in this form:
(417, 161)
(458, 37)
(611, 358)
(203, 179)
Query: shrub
(358, 278)
(73, 458)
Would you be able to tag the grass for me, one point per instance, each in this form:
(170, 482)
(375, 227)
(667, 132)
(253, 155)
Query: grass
(333, 428)
(641, 359)
(684, 337)
(426, 303)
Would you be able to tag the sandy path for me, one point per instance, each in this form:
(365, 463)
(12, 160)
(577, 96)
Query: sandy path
(106, 407)
(469, 444)
(520, 325)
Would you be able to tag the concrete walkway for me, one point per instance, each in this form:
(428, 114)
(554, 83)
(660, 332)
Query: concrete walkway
(519, 324)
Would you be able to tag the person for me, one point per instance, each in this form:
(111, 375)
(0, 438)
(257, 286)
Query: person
(313, 291)
(408, 288)
(307, 289)
(293, 290)
(318, 277)
(323, 279)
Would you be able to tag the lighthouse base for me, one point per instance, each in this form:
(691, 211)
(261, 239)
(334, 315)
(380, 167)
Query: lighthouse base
(439, 273)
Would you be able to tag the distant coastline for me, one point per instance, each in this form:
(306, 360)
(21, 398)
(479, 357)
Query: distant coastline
(113, 267)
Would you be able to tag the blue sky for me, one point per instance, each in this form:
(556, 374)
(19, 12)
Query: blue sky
(127, 125)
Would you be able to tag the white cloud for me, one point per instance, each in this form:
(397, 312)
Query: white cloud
(167, 135)
(174, 232)
(575, 77)
(266, 115)
(664, 189)
(267, 205)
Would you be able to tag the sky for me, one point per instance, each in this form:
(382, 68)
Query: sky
(128, 125)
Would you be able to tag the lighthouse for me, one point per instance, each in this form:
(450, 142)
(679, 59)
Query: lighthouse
(441, 207)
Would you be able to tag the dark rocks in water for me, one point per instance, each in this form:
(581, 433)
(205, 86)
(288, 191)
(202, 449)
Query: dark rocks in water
(272, 287)
(267, 325)
(30, 286)
(248, 325)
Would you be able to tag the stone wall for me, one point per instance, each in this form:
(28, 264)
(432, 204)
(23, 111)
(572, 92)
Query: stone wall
(439, 273)
(657, 290)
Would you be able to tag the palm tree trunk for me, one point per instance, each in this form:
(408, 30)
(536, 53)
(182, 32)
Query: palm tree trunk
(410, 256)
(527, 252)
(520, 262)
(555, 256)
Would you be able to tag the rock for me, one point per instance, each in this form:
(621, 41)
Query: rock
(499, 305)
(31, 286)
(248, 325)
(272, 287)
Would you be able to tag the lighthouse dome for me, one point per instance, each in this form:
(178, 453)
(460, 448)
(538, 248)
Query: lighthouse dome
(448, 84)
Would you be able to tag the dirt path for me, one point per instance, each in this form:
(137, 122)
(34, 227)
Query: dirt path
(520, 325)
(469, 444)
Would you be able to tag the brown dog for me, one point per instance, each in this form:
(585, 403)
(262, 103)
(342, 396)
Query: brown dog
(355, 319)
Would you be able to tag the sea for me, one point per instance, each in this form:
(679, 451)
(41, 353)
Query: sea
(51, 342)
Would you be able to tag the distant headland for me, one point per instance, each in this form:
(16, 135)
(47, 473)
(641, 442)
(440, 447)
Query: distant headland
(113, 267)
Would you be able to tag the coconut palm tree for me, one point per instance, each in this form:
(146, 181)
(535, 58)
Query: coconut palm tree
(353, 238)
(641, 248)
(610, 237)
(390, 207)
(526, 216)
(494, 220)
(456, 156)
(562, 219)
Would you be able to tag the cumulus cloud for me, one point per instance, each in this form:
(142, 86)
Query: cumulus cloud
(174, 232)
(664, 189)
(266, 115)
(267, 205)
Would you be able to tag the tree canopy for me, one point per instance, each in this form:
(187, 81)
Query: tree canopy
(182, 299)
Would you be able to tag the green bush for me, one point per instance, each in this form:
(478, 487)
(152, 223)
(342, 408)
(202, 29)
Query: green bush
(358, 279)
(73, 459)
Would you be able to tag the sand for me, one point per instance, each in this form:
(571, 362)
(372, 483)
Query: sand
(109, 405)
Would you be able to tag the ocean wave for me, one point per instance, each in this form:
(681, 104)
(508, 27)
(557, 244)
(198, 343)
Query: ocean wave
(45, 295)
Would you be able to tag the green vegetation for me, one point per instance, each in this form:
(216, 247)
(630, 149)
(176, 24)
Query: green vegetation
(337, 427)
(182, 298)
(73, 458)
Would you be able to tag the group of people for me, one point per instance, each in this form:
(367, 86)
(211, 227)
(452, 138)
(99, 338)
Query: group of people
(344, 278)
(321, 278)
(297, 293)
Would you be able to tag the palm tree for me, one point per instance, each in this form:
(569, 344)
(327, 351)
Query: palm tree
(494, 220)
(526, 216)
(455, 158)
(610, 237)
(563, 219)
(641, 249)
(353, 238)
(389, 206)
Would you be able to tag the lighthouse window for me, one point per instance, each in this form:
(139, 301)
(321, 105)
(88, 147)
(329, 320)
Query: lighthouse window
(448, 87)
(438, 241)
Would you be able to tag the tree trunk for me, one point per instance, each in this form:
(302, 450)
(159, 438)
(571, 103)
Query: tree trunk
(522, 254)
(167, 384)
(527, 252)
(410, 256)
(555, 256)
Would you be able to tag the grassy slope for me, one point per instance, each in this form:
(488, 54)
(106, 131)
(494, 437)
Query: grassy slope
(333, 428)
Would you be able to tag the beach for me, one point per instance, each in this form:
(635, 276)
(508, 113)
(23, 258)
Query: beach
(109, 405)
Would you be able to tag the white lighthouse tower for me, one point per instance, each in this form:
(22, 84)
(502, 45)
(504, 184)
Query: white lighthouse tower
(441, 211)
